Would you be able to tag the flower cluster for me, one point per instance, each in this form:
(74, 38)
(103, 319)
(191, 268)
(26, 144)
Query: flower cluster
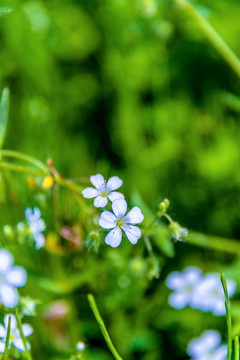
(204, 292)
(11, 277)
(15, 337)
(207, 347)
(37, 226)
(118, 220)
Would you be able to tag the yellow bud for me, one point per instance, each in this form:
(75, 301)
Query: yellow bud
(48, 182)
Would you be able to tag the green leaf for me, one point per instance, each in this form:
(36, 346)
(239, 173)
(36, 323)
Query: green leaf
(4, 106)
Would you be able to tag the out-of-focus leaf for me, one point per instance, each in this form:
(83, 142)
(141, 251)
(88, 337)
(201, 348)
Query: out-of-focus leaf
(4, 106)
(5, 10)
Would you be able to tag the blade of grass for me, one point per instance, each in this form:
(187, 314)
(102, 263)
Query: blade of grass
(228, 316)
(4, 107)
(103, 329)
(236, 348)
(211, 34)
(7, 338)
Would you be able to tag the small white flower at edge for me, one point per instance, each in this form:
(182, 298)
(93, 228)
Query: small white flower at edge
(103, 190)
(80, 346)
(37, 226)
(118, 221)
(15, 337)
(11, 277)
(207, 347)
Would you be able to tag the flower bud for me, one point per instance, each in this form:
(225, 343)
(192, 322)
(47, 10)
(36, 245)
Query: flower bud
(179, 233)
(163, 206)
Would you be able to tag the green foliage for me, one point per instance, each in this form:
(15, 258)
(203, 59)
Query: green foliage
(132, 88)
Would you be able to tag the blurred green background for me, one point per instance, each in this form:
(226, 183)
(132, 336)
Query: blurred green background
(128, 88)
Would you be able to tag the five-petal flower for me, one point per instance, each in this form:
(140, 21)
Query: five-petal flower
(118, 221)
(15, 337)
(207, 347)
(11, 277)
(103, 190)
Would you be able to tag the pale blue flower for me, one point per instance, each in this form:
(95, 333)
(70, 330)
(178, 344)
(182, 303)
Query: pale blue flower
(37, 226)
(184, 285)
(15, 337)
(11, 277)
(80, 346)
(119, 220)
(209, 294)
(207, 347)
(103, 190)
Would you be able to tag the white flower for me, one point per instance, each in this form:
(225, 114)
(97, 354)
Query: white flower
(207, 347)
(37, 226)
(209, 295)
(184, 286)
(11, 277)
(103, 190)
(118, 221)
(80, 346)
(15, 337)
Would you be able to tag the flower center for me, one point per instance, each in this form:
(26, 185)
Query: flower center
(12, 337)
(104, 193)
(120, 222)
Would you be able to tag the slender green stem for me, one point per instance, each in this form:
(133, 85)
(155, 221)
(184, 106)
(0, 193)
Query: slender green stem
(19, 324)
(156, 271)
(236, 348)
(20, 168)
(228, 315)
(7, 338)
(24, 157)
(103, 329)
(168, 217)
(211, 34)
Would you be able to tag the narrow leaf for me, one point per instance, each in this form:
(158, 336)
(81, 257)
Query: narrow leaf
(4, 105)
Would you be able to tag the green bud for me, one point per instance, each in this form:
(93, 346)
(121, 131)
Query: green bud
(8, 232)
(93, 241)
(163, 206)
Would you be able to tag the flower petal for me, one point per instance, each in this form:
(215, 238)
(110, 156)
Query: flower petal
(8, 296)
(17, 276)
(114, 237)
(3, 332)
(2, 346)
(231, 287)
(200, 347)
(119, 208)
(179, 300)
(6, 260)
(114, 183)
(107, 220)
(134, 216)
(115, 195)
(39, 240)
(133, 233)
(13, 322)
(100, 201)
(175, 281)
(18, 343)
(98, 181)
(27, 330)
(90, 192)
